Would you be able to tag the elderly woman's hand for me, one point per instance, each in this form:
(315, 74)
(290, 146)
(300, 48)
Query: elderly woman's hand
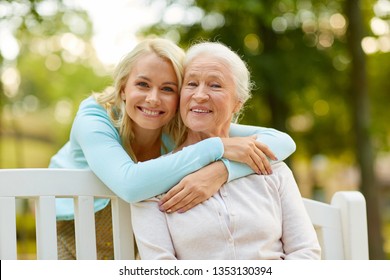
(195, 188)
(249, 151)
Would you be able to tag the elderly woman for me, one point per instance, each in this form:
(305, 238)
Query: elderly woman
(254, 217)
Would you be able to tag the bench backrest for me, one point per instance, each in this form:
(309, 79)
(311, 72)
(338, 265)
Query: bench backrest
(43, 186)
(341, 226)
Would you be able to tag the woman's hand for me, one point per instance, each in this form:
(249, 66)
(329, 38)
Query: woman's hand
(249, 151)
(194, 188)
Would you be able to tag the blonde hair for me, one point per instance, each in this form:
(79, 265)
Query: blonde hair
(111, 100)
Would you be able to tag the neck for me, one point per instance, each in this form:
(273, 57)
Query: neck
(147, 144)
(194, 137)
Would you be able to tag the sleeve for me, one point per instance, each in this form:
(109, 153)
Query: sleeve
(299, 237)
(101, 146)
(280, 143)
(153, 239)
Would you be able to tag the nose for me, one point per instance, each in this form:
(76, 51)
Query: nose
(200, 94)
(153, 97)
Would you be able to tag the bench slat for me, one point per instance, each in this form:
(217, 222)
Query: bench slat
(8, 250)
(85, 232)
(45, 214)
(123, 245)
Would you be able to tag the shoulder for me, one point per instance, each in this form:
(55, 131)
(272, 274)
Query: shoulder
(282, 176)
(168, 142)
(283, 173)
(90, 105)
(91, 117)
(281, 168)
(91, 111)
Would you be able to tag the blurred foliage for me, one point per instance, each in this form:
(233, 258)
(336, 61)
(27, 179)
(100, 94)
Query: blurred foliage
(53, 68)
(25, 224)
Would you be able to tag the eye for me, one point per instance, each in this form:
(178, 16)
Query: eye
(192, 84)
(215, 85)
(142, 84)
(168, 89)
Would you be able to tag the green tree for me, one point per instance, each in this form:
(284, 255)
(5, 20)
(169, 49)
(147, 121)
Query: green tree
(53, 70)
(361, 117)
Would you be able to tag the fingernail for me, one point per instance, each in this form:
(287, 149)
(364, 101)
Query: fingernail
(180, 211)
(159, 203)
(161, 209)
(169, 211)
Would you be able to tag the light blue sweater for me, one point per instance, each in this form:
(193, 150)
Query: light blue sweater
(95, 144)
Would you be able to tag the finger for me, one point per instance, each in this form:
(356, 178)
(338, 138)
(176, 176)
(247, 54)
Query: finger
(167, 202)
(266, 150)
(259, 165)
(259, 161)
(182, 202)
(190, 205)
(264, 161)
(171, 193)
(250, 160)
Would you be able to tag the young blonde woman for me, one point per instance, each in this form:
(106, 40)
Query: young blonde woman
(121, 133)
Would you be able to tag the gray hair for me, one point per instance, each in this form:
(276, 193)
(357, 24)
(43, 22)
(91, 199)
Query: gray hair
(237, 66)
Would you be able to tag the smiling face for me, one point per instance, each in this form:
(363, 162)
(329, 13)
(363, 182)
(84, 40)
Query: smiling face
(151, 93)
(208, 97)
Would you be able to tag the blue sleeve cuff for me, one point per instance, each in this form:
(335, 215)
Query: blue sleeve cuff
(236, 169)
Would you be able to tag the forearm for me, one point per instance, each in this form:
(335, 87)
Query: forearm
(135, 182)
(280, 143)
(215, 173)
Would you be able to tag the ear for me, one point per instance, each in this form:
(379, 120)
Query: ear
(237, 107)
(123, 96)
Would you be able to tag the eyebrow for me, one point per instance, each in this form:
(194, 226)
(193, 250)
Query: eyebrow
(216, 75)
(149, 80)
(190, 74)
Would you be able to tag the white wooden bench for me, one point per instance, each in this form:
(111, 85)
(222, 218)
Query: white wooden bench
(341, 226)
(43, 185)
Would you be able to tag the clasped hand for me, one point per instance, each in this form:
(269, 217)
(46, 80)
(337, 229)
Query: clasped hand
(202, 184)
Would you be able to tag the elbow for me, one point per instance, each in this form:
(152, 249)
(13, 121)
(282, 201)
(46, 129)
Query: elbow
(290, 144)
(129, 193)
(293, 146)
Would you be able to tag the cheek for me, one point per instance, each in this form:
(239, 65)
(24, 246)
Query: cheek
(129, 107)
(184, 99)
(183, 106)
(130, 100)
(226, 109)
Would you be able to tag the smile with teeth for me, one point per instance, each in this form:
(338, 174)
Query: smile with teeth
(151, 112)
(200, 111)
